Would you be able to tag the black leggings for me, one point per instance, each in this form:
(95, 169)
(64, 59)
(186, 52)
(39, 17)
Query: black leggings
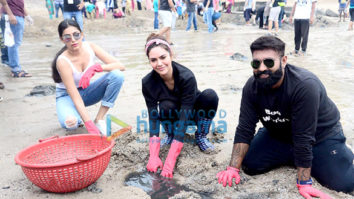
(301, 27)
(205, 106)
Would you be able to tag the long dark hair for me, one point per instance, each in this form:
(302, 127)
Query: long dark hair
(62, 26)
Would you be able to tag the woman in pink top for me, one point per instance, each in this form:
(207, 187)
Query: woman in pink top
(72, 69)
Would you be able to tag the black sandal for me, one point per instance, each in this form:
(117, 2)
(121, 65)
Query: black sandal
(21, 73)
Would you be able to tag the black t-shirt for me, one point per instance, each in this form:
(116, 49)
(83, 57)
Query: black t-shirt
(72, 7)
(164, 5)
(190, 6)
(184, 93)
(298, 112)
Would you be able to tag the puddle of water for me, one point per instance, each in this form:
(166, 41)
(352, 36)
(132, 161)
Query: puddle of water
(157, 186)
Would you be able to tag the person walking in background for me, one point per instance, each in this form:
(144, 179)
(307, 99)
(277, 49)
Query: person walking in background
(267, 8)
(133, 4)
(216, 16)
(282, 12)
(191, 4)
(110, 5)
(73, 9)
(166, 7)
(341, 9)
(58, 4)
(90, 10)
(5, 10)
(138, 2)
(72, 69)
(50, 7)
(350, 4)
(230, 3)
(208, 14)
(303, 13)
(156, 14)
(248, 9)
(17, 7)
(274, 17)
(171, 88)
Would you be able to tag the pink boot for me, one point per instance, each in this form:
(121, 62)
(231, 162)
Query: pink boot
(154, 160)
(170, 161)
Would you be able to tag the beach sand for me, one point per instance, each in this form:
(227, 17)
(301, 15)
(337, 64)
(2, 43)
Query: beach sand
(26, 119)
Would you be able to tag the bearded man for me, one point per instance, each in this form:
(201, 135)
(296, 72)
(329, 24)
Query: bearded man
(301, 126)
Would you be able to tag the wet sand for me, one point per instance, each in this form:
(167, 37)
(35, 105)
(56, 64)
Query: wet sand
(25, 120)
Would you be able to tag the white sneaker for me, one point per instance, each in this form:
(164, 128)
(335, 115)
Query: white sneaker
(101, 125)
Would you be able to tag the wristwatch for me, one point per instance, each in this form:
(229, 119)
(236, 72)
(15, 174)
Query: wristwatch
(305, 182)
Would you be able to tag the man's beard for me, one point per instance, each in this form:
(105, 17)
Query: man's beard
(271, 80)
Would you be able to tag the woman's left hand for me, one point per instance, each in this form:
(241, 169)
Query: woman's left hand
(85, 79)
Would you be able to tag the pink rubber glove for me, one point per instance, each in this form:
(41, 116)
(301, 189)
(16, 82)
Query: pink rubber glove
(91, 128)
(154, 159)
(227, 175)
(170, 161)
(85, 79)
(307, 191)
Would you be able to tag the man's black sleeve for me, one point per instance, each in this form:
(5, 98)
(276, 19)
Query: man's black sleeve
(305, 103)
(248, 117)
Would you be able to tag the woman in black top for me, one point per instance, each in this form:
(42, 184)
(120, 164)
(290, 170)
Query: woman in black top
(173, 100)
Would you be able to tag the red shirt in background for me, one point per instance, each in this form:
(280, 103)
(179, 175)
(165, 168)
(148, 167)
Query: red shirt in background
(17, 7)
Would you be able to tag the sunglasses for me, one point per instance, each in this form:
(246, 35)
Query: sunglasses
(269, 63)
(75, 35)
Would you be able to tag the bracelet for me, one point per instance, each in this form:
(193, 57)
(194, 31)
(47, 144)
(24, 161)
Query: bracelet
(305, 182)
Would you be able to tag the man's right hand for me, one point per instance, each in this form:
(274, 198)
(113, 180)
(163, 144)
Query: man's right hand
(12, 19)
(227, 175)
(307, 191)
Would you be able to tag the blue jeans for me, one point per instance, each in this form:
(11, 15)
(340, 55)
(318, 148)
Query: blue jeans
(4, 54)
(209, 14)
(77, 16)
(106, 88)
(191, 16)
(17, 31)
(57, 6)
(332, 163)
(156, 20)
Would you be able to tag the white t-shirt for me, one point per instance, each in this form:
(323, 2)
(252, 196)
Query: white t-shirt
(303, 9)
(76, 74)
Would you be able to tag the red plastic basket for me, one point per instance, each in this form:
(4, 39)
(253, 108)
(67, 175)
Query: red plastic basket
(66, 164)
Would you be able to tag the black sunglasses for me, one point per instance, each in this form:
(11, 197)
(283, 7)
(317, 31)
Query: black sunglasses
(75, 35)
(269, 63)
